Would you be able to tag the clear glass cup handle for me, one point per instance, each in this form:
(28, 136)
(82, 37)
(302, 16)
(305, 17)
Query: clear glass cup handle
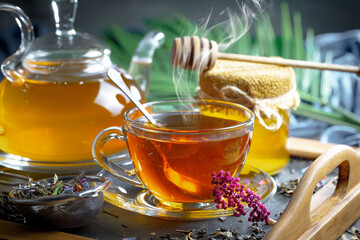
(27, 37)
(121, 173)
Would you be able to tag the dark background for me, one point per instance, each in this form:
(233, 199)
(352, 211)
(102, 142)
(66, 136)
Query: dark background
(94, 15)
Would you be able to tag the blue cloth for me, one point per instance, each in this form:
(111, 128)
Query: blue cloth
(345, 49)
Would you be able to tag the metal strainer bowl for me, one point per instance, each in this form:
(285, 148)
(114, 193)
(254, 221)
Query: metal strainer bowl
(65, 210)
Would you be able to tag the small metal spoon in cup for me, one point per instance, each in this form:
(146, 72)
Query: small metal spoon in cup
(116, 77)
(170, 173)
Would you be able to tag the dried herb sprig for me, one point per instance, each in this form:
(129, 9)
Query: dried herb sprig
(229, 193)
(53, 187)
(288, 188)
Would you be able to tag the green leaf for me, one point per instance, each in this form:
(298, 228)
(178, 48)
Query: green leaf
(313, 85)
(243, 45)
(58, 188)
(298, 37)
(307, 110)
(337, 110)
(326, 84)
(265, 36)
(286, 31)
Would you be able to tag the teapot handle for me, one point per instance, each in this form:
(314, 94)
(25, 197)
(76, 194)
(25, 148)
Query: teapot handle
(27, 36)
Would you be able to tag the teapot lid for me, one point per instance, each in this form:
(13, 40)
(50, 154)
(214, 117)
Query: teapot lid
(67, 50)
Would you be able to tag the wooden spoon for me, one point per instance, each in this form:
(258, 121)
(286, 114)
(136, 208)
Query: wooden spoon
(193, 52)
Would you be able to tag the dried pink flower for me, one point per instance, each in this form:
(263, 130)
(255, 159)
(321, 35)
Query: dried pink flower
(228, 193)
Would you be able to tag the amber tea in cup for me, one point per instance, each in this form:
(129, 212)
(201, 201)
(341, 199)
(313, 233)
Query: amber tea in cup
(175, 161)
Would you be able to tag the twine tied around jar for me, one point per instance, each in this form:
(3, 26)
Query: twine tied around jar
(266, 109)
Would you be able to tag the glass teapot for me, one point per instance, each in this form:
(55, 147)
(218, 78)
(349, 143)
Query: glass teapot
(56, 96)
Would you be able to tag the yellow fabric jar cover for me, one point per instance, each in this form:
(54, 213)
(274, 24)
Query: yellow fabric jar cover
(264, 88)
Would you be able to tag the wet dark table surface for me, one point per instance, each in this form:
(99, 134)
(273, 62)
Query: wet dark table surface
(127, 224)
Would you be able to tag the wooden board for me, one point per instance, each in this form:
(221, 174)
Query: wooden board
(9, 230)
(309, 148)
(330, 211)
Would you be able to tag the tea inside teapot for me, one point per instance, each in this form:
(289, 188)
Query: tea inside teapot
(56, 97)
(52, 121)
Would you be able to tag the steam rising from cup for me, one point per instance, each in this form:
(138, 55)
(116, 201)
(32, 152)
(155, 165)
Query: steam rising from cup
(234, 23)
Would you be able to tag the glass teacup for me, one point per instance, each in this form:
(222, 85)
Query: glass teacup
(176, 159)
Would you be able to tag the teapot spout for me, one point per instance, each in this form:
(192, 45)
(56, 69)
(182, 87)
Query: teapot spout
(141, 61)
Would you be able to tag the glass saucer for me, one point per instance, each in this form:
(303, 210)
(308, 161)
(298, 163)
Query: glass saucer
(31, 165)
(141, 201)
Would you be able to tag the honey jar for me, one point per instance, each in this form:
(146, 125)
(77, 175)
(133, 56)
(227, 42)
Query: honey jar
(270, 92)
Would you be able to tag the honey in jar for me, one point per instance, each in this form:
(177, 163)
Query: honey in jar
(270, 91)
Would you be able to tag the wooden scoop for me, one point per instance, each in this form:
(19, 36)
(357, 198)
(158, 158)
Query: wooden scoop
(193, 52)
(331, 210)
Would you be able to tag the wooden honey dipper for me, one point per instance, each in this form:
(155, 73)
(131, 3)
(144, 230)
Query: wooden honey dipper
(193, 52)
